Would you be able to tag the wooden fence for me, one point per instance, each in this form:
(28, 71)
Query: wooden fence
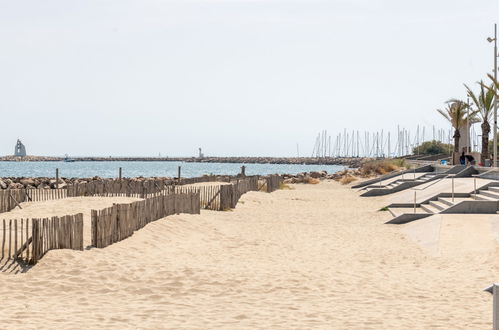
(209, 196)
(205, 178)
(119, 221)
(134, 188)
(10, 198)
(223, 196)
(273, 182)
(38, 195)
(116, 187)
(28, 240)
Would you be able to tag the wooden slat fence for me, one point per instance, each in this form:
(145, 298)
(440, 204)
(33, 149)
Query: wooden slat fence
(273, 182)
(39, 195)
(116, 187)
(28, 240)
(231, 196)
(222, 196)
(209, 196)
(134, 188)
(205, 178)
(118, 222)
(10, 198)
(56, 233)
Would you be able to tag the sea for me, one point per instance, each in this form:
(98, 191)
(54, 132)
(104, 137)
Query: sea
(110, 169)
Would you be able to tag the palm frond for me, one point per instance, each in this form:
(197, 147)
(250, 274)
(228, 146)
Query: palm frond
(444, 114)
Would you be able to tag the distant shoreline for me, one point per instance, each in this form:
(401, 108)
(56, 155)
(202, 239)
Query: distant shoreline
(345, 161)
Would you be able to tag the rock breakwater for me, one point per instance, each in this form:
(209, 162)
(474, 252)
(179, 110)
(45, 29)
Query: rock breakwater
(345, 161)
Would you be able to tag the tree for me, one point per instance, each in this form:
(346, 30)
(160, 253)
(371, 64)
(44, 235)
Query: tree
(494, 83)
(484, 103)
(456, 112)
(432, 148)
(491, 145)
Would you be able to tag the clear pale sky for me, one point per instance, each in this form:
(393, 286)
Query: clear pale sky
(236, 77)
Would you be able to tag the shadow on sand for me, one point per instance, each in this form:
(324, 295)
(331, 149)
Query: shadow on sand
(12, 266)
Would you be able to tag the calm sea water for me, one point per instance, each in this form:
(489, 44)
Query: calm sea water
(148, 169)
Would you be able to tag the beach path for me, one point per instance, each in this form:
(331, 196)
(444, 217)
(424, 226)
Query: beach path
(317, 256)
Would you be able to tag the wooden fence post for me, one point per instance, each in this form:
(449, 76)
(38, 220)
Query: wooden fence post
(56, 178)
(119, 174)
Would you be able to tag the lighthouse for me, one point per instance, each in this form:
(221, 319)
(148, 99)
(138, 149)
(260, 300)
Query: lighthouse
(20, 150)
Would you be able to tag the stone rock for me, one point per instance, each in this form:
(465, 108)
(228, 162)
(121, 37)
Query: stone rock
(3, 185)
(27, 182)
(16, 185)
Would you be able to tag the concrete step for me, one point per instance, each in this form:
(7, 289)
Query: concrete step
(448, 200)
(396, 211)
(489, 193)
(494, 189)
(439, 205)
(482, 197)
(430, 208)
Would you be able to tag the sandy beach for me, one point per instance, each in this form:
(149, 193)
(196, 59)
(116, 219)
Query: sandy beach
(313, 257)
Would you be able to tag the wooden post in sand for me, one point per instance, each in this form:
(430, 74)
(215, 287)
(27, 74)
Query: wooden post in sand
(119, 174)
(243, 171)
(56, 178)
(179, 170)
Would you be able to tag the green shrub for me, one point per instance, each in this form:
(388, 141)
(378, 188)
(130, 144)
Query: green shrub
(432, 148)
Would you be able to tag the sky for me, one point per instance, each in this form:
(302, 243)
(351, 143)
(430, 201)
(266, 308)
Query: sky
(235, 77)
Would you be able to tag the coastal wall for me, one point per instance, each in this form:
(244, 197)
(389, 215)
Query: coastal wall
(346, 161)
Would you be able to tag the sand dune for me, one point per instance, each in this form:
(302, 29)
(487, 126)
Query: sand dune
(315, 257)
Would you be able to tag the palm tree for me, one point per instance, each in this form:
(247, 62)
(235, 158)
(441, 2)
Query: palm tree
(484, 103)
(457, 113)
(494, 82)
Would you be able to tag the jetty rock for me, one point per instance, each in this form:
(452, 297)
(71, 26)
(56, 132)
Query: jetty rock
(344, 161)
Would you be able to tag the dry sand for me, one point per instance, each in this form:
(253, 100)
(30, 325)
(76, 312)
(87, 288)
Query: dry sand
(316, 257)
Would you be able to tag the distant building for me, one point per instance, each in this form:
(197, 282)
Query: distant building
(20, 150)
(201, 155)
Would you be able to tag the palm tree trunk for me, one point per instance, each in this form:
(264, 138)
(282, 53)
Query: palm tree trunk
(456, 137)
(485, 140)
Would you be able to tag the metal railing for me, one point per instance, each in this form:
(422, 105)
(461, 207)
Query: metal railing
(435, 182)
